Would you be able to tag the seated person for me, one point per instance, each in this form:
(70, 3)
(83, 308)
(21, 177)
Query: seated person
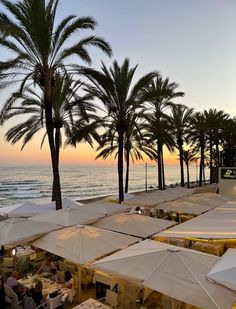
(12, 279)
(18, 288)
(37, 293)
(69, 281)
(28, 302)
(47, 266)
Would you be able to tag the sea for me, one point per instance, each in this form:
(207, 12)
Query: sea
(22, 183)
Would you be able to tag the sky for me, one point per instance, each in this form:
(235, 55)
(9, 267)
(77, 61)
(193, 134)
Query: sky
(191, 42)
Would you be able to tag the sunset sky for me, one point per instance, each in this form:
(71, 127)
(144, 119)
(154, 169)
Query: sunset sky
(191, 42)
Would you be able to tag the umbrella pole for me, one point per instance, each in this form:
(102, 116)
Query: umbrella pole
(79, 292)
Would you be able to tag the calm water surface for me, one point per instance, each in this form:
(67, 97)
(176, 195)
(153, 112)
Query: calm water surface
(23, 183)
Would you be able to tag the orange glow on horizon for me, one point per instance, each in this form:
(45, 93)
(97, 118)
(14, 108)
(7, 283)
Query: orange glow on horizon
(82, 154)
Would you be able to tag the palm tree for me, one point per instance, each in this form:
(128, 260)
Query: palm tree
(113, 88)
(180, 117)
(158, 97)
(215, 122)
(188, 157)
(40, 49)
(229, 142)
(197, 137)
(134, 144)
(68, 108)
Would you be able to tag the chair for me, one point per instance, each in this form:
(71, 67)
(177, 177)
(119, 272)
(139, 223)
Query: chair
(110, 299)
(11, 297)
(76, 285)
(62, 265)
(60, 275)
(7, 267)
(86, 277)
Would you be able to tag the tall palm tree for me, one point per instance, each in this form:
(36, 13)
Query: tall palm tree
(113, 87)
(229, 142)
(134, 144)
(40, 48)
(189, 157)
(68, 108)
(197, 137)
(180, 118)
(158, 97)
(215, 124)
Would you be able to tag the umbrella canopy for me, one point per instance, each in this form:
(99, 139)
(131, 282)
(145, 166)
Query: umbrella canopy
(133, 224)
(69, 216)
(154, 198)
(105, 208)
(184, 207)
(173, 271)
(224, 271)
(16, 231)
(218, 223)
(25, 210)
(82, 244)
(200, 199)
(69, 203)
(115, 198)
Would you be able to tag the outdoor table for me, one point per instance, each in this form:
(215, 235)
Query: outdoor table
(48, 288)
(90, 304)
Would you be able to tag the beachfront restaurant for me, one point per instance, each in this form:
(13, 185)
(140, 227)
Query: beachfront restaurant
(81, 250)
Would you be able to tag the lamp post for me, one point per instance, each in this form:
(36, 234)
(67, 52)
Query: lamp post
(145, 177)
(197, 173)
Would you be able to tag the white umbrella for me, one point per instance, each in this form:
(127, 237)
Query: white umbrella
(173, 271)
(115, 198)
(82, 244)
(105, 208)
(224, 271)
(184, 207)
(69, 216)
(69, 203)
(16, 231)
(218, 223)
(133, 224)
(25, 210)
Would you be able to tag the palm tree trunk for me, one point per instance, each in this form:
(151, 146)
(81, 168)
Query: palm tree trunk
(188, 180)
(203, 174)
(211, 159)
(163, 170)
(127, 172)
(120, 166)
(159, 165)
(181, 161)
(201, 165)
(50, 129)
(217, 152)
(57, 145)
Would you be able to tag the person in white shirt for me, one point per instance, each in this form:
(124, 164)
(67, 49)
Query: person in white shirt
(47, 266)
